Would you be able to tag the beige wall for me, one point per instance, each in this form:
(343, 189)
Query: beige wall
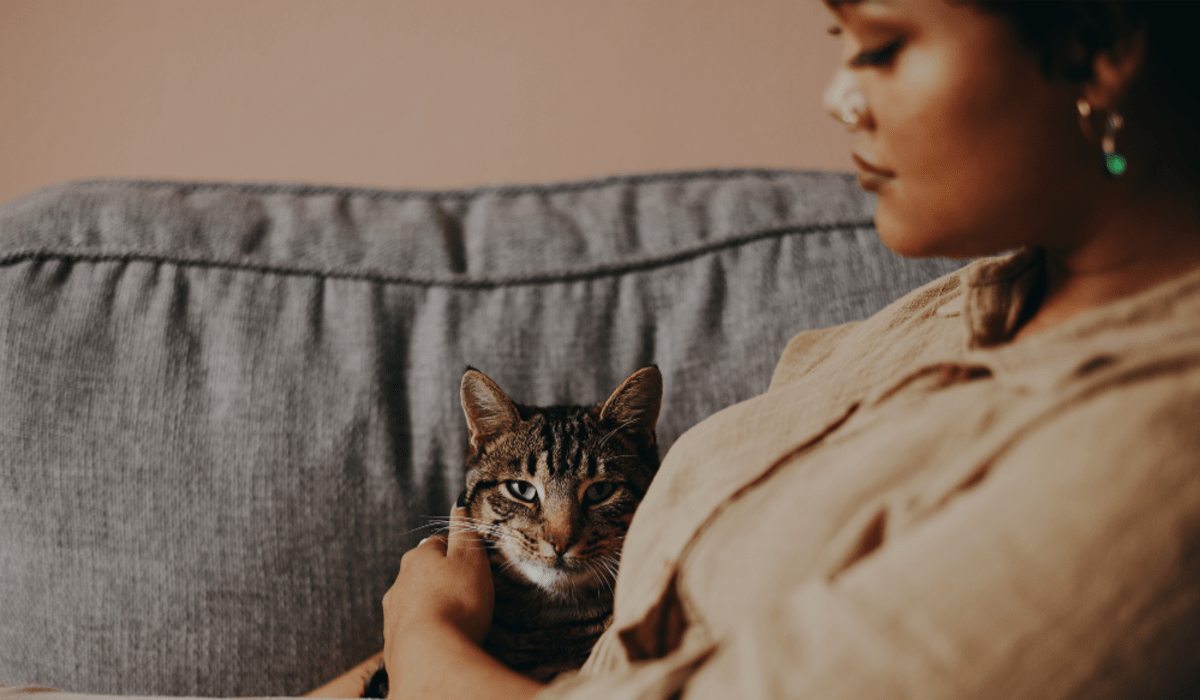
(409, 93)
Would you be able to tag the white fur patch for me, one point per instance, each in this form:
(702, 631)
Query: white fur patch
(550, 579)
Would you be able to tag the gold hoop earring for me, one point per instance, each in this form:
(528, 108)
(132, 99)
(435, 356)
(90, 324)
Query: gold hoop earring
(1085, 119)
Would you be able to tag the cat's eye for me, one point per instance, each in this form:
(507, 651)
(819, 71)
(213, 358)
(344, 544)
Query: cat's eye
(522, 490)
(599, 491)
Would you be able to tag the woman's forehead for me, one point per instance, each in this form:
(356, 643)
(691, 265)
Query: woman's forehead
(867, 10)
(945, 15)
(841, 5)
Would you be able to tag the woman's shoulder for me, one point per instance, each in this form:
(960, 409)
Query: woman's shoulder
(925, 322)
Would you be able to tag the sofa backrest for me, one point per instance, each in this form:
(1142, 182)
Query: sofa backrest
(227, 410)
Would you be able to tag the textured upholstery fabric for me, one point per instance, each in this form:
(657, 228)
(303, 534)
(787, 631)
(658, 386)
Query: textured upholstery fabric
(226, 409)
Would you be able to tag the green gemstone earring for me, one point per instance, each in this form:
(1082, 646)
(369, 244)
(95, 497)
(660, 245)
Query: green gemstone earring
(1114, 162)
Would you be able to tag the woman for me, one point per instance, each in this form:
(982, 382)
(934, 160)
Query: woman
(989, 489)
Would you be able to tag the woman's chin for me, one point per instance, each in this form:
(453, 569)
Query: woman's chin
(904, 238)
(925, 239)
(922, 223)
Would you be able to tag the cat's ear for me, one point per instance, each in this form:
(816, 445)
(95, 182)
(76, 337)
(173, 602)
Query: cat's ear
(488, 409)
(635, 404)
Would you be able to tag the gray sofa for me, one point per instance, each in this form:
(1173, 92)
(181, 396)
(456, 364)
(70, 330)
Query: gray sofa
(227, 410)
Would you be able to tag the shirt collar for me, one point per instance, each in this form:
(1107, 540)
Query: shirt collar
(999, 292)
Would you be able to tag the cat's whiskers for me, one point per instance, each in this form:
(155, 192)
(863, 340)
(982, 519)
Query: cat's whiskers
(616, 457)
(600, 573)
(502, 535)
(507, 565)
(442, 525)
(620, 426)
(419, 528)
(610, 564)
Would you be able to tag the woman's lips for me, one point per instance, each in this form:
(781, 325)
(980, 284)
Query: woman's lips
(870, 177)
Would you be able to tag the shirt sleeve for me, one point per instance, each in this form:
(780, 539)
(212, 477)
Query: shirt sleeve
(1070, 570)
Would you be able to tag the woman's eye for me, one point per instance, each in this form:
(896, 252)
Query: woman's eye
(598, 492)
(878, 57)
(522, 490)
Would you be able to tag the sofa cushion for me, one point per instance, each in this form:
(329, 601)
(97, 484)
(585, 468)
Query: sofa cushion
(229, 409)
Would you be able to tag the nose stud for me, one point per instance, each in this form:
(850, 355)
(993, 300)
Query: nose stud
(853, 111)
(846, 103)
(851, 118)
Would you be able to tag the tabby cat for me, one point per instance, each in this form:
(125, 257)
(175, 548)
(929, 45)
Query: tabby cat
(552, 490)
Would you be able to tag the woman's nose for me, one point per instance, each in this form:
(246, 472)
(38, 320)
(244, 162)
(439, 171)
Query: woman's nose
(844, 101)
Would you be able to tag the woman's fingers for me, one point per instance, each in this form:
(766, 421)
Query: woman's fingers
(460, 540)
(462, 537)
(444, 583)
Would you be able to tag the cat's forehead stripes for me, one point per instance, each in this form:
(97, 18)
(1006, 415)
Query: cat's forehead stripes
(560, 443)
(560, 446)
(541, 463)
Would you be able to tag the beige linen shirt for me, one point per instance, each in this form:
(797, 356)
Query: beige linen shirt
(918, 508)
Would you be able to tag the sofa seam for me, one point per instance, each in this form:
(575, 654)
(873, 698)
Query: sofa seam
(597, 271)
(376, 194)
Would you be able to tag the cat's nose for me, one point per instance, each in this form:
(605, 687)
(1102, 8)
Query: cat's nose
(560, 531)
(560, 543)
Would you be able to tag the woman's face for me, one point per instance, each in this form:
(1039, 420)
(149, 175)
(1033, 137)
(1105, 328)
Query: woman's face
(970, 149)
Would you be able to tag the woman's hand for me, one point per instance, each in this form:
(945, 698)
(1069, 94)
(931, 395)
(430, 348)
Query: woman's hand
(446, 581)
(435, 617)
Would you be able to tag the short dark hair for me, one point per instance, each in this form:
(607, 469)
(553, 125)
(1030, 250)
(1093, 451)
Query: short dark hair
(1066, 36)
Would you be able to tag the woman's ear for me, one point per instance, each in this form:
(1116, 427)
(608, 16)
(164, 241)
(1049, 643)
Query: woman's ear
(1114, 71)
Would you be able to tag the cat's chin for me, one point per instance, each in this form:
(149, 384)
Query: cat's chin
(555, 580)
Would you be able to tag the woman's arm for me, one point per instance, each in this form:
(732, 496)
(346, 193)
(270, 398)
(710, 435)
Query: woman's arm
(352, 683)
(1071, 569)
(435, 617)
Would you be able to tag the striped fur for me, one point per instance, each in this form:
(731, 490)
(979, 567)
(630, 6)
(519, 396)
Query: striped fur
(552, 491)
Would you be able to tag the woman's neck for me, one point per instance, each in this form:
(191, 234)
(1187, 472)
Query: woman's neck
(1127, 247)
